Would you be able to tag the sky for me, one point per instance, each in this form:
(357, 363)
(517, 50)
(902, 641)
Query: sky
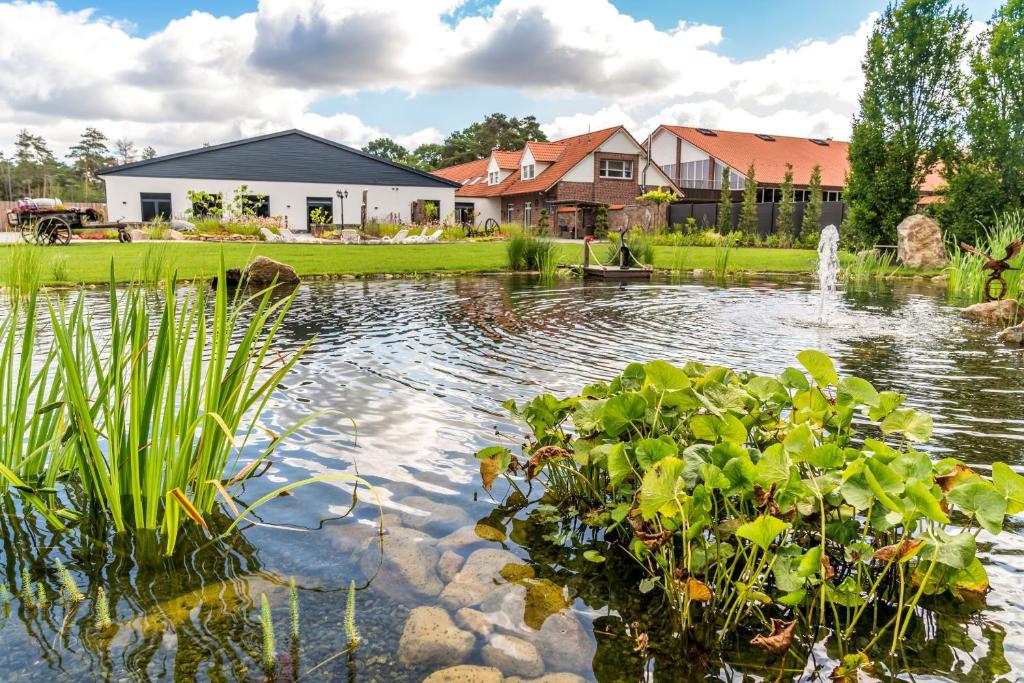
(176, 75)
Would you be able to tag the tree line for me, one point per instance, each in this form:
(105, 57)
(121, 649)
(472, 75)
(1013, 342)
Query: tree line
(33, 170)
(937, 102)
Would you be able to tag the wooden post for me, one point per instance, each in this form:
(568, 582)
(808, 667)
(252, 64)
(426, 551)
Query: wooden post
(586, 254)
(362, 213)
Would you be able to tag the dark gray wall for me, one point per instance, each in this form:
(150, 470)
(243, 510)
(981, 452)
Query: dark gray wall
(706, 215)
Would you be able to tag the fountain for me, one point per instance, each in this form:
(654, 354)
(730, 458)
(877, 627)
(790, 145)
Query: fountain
(828, 268)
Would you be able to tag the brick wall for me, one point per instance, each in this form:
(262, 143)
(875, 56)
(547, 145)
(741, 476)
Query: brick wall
(518, 204)
(615, 190)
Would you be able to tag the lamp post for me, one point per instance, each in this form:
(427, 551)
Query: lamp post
(342, 196)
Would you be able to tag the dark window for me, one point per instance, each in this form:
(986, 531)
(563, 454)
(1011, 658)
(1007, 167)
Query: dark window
(210, 204)
(801, 195)
(155, 204)
(258, 205)
(707, 131)
(319, 211)
(464, 213)
(819, 142)
(766, 138)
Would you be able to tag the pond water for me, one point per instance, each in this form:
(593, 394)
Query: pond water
(420, 368)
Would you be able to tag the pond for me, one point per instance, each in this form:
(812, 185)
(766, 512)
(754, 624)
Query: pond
(413, 374)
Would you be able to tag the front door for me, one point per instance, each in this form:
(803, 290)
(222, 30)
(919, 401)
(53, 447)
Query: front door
(319, 211)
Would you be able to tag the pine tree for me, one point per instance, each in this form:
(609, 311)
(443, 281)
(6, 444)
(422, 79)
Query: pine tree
(89, 154)
(786, 210)
(812, 211)
(748, 210)
(724, 223)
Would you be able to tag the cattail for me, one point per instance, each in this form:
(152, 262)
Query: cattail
(350, 617)
(102, 610)
(70, 588)
(41, 600)
(293, 603)
(5, 599)
(269, 655)
(27, 598)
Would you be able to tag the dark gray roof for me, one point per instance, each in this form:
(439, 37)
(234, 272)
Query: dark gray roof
(288, 156)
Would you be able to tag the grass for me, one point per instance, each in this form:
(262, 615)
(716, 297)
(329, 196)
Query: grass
(20, 272)
(89, 262)
(966, 276)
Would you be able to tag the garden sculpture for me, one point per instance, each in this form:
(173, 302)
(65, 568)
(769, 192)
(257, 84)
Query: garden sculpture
(997, 266)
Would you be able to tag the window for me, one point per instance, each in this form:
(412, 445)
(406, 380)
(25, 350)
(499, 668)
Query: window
(801, 195)
(529, 171)
(819, 142)
(155, 204)
(766, 138)
(527, 213)
(492, 178)
(257, 204)
(616, 168)
(510, 212)
(707, 131)
(207, 204)
(832, 195)
(768, 195)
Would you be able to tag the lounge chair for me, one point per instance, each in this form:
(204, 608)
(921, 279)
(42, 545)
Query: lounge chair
(422, 237)
(350, 236)
(399, 237)
(433, 237)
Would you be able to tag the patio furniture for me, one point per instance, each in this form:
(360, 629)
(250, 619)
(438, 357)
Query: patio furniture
(350, 236)
(399, 237)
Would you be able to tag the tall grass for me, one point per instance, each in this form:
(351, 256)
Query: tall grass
(22, 272)
(531, 252)
(966, 278)
(60, 268)
(723, 251)
(870, 264)
(155, 265)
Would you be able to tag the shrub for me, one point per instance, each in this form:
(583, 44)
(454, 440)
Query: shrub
(530, 252)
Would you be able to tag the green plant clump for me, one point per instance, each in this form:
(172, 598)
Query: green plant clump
(749, 499)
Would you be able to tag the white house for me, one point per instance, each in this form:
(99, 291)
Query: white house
(294, 171)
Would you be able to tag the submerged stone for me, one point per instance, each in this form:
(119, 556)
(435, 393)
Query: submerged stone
(514, 656)
(478, 577)
(467, 673)
(408, 569)
(449, 565)
(431, 513)
(1012, 335)
(1005, 312)
(549, 678)
(430, 637)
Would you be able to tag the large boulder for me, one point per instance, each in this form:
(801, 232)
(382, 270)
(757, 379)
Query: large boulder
(430, 638)
(1012, 335)
(514, 656)
(138, 235)
(1005, 312)
(920, 243)
(408, 569)
(263, 272)
(182, 226)
(173, 235)
(478, 578)
(269, 235)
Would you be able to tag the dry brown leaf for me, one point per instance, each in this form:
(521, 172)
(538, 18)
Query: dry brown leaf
(902, 551)
(827, 566)
(698, 591)
(542, 455)
(948, 482)
(779, 639)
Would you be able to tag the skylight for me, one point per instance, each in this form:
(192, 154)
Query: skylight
(707, 131)
(819, 141)
(766, 138)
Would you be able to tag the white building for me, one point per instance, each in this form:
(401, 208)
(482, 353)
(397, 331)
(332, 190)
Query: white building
(295, 172)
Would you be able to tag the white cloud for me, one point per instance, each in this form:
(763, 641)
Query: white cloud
(209, 79)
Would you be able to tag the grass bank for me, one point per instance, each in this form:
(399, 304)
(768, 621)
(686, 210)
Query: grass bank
(89, 263)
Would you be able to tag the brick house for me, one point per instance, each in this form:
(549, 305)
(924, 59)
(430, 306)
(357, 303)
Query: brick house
(569, 179)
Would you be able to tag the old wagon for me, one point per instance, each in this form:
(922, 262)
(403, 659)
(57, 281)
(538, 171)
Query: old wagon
(49, 222)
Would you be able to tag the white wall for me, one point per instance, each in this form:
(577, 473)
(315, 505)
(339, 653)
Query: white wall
(286, 199)
(485, 207)
(583, 172)
(663, 147)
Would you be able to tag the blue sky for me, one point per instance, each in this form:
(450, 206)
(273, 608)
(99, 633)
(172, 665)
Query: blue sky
(787, 66)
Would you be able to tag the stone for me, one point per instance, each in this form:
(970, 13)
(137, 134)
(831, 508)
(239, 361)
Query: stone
(408, 570)
(262, 271)
(460, 538)
(1005, 312)
(549, 678)
(1012, 335)
(940, 279)
(353, 536)
(173, 235)
(182, 226)
(430, 638)
(449, 565)
(467, 673)
(432, 513)
(564, 644)
(269, 235)
(478, 578)
(920, 243)
(514, 656)
(138, 235)
(475, 621)
(698, 272)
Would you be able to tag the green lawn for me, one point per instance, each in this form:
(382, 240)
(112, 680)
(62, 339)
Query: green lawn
(89, 263)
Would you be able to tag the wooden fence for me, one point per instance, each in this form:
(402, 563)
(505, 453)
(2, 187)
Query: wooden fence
(10, 206)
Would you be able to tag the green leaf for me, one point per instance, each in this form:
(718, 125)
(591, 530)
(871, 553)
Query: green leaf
(618, 464)
(953, 551)
(856, 492)
(794, 379)
(762, 531)
(741, 472)
(846, 593)
(765, 388)
(793, 598)
(665, 377)
(827, 457)
(888, 401)
(714, 428)
(648, 584)
(494, 460)
(622, 410)
(981, 499)
(810, 563)
(593, 556)
(773, 467)
(660, 487)
(859, 390)
(972, 581)
(799, 441)
(650, 451)
(587, 416)
(819, 366)
(925, 502)
(913, 424)
(1011, 485)
(713, 477)
(620, 511)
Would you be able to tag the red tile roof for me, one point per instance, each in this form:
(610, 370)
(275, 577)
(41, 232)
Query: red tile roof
(508, 160)
(770, 157)
(545, 151)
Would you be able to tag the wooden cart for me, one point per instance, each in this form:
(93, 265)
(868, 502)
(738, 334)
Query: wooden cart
(52, 226)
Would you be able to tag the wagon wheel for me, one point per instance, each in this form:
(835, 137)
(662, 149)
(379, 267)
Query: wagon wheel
(54, 231)
(490, 226)
(28, 232)
(124, 236)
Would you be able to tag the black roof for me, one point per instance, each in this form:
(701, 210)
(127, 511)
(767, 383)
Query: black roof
(288, 156)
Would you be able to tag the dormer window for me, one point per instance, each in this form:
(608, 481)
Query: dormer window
(492, 178)
(529, 171)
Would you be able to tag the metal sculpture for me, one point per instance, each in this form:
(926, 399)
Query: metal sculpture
(997, 266)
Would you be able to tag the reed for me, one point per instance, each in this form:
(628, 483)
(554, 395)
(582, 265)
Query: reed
(103, 620)
(723, 251)
(868, 265)
(351, 632)
(154, 267)
(60, 268)
(267, 624)
(20, 274)
(293, 606)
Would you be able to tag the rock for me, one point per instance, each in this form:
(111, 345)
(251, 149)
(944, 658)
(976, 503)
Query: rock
(549, 678)
(698, 272)
(138, 235)
(920, 243)
(1012, 335)
(514, 656)
(269, 236)
(940, 279)
(431, 513)
(449, 565)
(263, 271)
(353, 536)
(173, 235)
(430, 637)
(460, 538)
(408, 571)
(466, 673)
(1005, 312)
(478, 578)
(182, 226)
(564, 644)
(475, 621)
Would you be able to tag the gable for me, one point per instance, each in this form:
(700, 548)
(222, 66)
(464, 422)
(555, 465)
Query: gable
(292, 156)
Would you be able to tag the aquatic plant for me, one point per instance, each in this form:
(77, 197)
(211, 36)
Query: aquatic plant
(103, 620)
(640, 244)
(60, 268)
(21, 270)
(869, 264)
(351, 632)
(68, 586)
(41, 600)
(723, 250)
(531, 252)
(293, 606)
(750, 499)
(267, 624)
(155, 266)
(965, 275)
(28, 598)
